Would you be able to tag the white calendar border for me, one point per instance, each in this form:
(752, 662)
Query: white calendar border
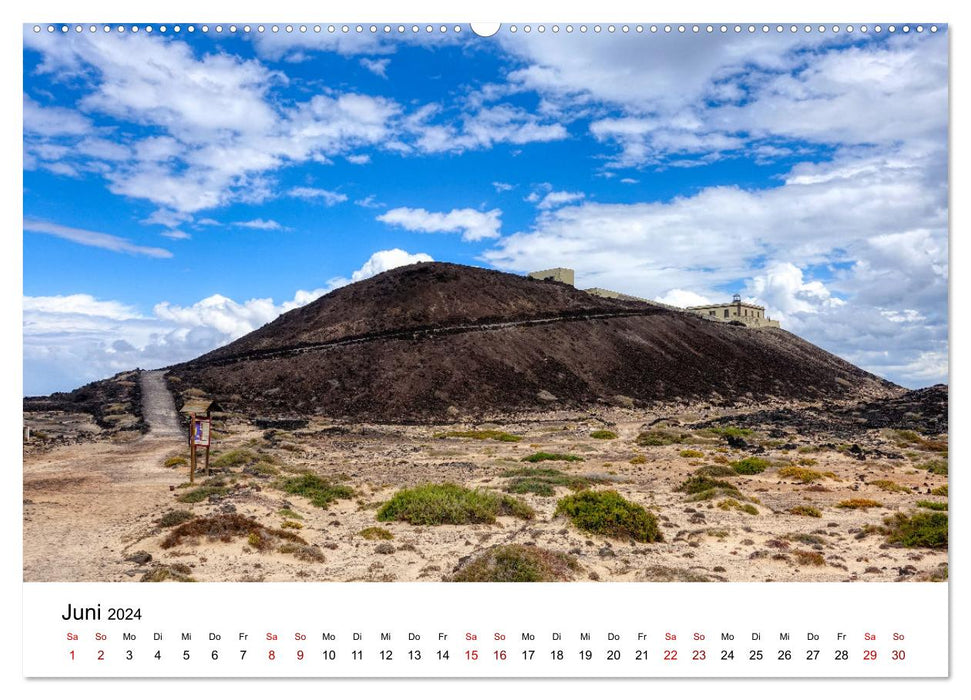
(441, 10)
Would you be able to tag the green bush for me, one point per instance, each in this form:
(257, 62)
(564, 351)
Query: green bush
(808, 511)
(439, 504)
(659, 438)
(542, 482)
(702, 488)
(604, 435)
(607, 513)
(175, 462)
(516, 563)
(202, 493)
(932, 505)
(321, 492)
(691, 454)
(751, 465)
(234, 458)
(918, 530)
(551, 457)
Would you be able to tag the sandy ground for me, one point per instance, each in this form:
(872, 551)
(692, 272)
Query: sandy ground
(91, 507)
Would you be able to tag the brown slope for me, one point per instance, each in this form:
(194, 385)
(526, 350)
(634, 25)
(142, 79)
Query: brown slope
(419, 296)
(424, 343)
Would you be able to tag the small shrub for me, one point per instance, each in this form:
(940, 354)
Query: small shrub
(658, 438)
(542, 482)
(730, 431)
(932, 505)
(175, 462)
(806, 476)
(732, 504)
(940, 491)
(806, 462)
(376, 533)
(859, 503)
(516, 563)
(226, 526)
(918, 530)
(807, 511)
(303, 552)
(691, 454)
(603, 435)
(807, 558)
(703, 488)
(551, 457)
(289, 513)
(198, 495)
(291, 525)
(751, 465)
(321, 492)
(607, 513)
(234, 458)
(438, 504)
(935, 466)
(890, 486)
(638, 459)
(910, 438)
(480, 435)
(174, 517)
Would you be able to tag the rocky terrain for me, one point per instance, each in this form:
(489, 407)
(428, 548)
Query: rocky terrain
(312, 503)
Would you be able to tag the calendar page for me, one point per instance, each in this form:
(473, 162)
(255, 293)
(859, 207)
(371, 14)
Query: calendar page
(451, 349)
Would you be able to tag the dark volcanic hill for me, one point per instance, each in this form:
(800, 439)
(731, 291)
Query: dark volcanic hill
(434, 340)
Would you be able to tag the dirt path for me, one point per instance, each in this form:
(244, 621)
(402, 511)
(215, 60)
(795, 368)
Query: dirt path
(158, 407)
(87, 505)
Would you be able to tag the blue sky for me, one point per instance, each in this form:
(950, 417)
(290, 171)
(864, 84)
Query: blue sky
(183, 189)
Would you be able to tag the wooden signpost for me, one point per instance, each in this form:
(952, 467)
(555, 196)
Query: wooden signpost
(200, 431)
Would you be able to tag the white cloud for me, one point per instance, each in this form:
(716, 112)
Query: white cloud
(261, 224)
(558, 198)
(72, 339)
(94, 239)
(328, 197)
(502, 186)
(781, 287)
(176, 235)
(359, 159)
(218, 131)
(369, 202)
(684, 298)
(79, 305)
(474, 225)
(684, 99)
(378, 66)
(483, 128)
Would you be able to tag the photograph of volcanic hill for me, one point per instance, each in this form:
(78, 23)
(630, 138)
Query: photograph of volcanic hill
(443, 422)
(578, 306)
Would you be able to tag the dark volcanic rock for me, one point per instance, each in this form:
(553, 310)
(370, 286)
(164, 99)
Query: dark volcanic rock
(426, 341)
(921, 410)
